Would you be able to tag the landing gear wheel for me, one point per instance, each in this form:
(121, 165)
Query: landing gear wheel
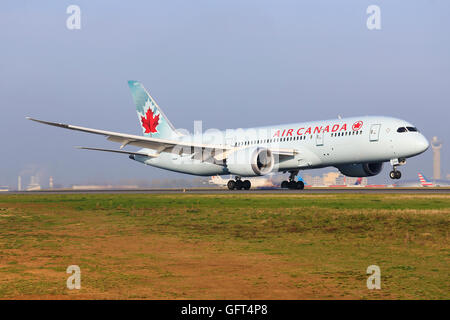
(284, 185)
(246, 184)
(300, 185)
(239, 185)
(231, 185)
(392, 174)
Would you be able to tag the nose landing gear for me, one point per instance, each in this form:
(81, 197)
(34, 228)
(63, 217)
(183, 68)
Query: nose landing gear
(239, 184)
(395, 174)
(292, 184)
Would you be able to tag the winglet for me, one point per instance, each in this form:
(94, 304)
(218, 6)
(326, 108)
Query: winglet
(62, 125)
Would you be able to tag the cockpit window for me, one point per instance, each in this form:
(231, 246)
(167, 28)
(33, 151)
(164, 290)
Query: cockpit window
(401, 129)
(412, 129)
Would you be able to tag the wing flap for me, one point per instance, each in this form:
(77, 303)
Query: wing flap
(120, 151)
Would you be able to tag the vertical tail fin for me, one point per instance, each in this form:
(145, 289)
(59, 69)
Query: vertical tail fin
(153, 121)
(424, 181)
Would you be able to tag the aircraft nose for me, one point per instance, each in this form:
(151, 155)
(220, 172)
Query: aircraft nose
(422, 144)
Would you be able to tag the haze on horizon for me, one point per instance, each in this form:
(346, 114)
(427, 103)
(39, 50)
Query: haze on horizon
(231, 64)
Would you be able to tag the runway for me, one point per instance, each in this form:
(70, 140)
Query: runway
(252, 191)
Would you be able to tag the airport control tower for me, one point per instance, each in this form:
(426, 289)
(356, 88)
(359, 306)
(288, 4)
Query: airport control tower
(436, 145)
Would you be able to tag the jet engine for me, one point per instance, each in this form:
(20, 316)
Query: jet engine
(361, 169)
(253, 161)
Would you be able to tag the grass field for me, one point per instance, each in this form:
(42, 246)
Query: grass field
(149, 246)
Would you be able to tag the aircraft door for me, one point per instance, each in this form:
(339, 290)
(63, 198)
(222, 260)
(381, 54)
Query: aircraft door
(375, 132)
(319, 138)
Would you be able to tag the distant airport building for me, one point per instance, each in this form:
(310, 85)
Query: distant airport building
(340, 181)
(4, 188)
(19, 183)
(50, 183)
(34, 184)
(330, 178)
(436, 145)
(307, 178)
(312, 181)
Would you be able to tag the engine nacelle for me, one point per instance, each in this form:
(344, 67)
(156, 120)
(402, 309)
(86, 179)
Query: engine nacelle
(361, 169)
(253, 161)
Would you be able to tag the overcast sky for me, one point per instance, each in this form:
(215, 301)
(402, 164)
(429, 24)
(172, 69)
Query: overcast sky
(229, 63)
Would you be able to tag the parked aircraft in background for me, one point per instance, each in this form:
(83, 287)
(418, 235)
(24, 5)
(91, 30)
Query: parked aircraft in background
(422, 181)
(357, 146)
(425, 182)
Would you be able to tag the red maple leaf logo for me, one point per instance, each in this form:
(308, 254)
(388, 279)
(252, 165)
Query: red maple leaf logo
(357, 125)
(149, 122)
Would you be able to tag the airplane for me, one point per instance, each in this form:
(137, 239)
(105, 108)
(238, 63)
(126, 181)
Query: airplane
(425, 182)
(356, 146)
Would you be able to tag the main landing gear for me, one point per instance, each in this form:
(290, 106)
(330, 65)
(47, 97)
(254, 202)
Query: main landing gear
(395, 174)
(239, 184)
(292, 184)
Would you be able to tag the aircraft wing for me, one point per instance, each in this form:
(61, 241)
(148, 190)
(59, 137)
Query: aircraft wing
(160, 145)
(218, 151)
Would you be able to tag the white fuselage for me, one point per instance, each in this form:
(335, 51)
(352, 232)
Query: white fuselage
(335, 142)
